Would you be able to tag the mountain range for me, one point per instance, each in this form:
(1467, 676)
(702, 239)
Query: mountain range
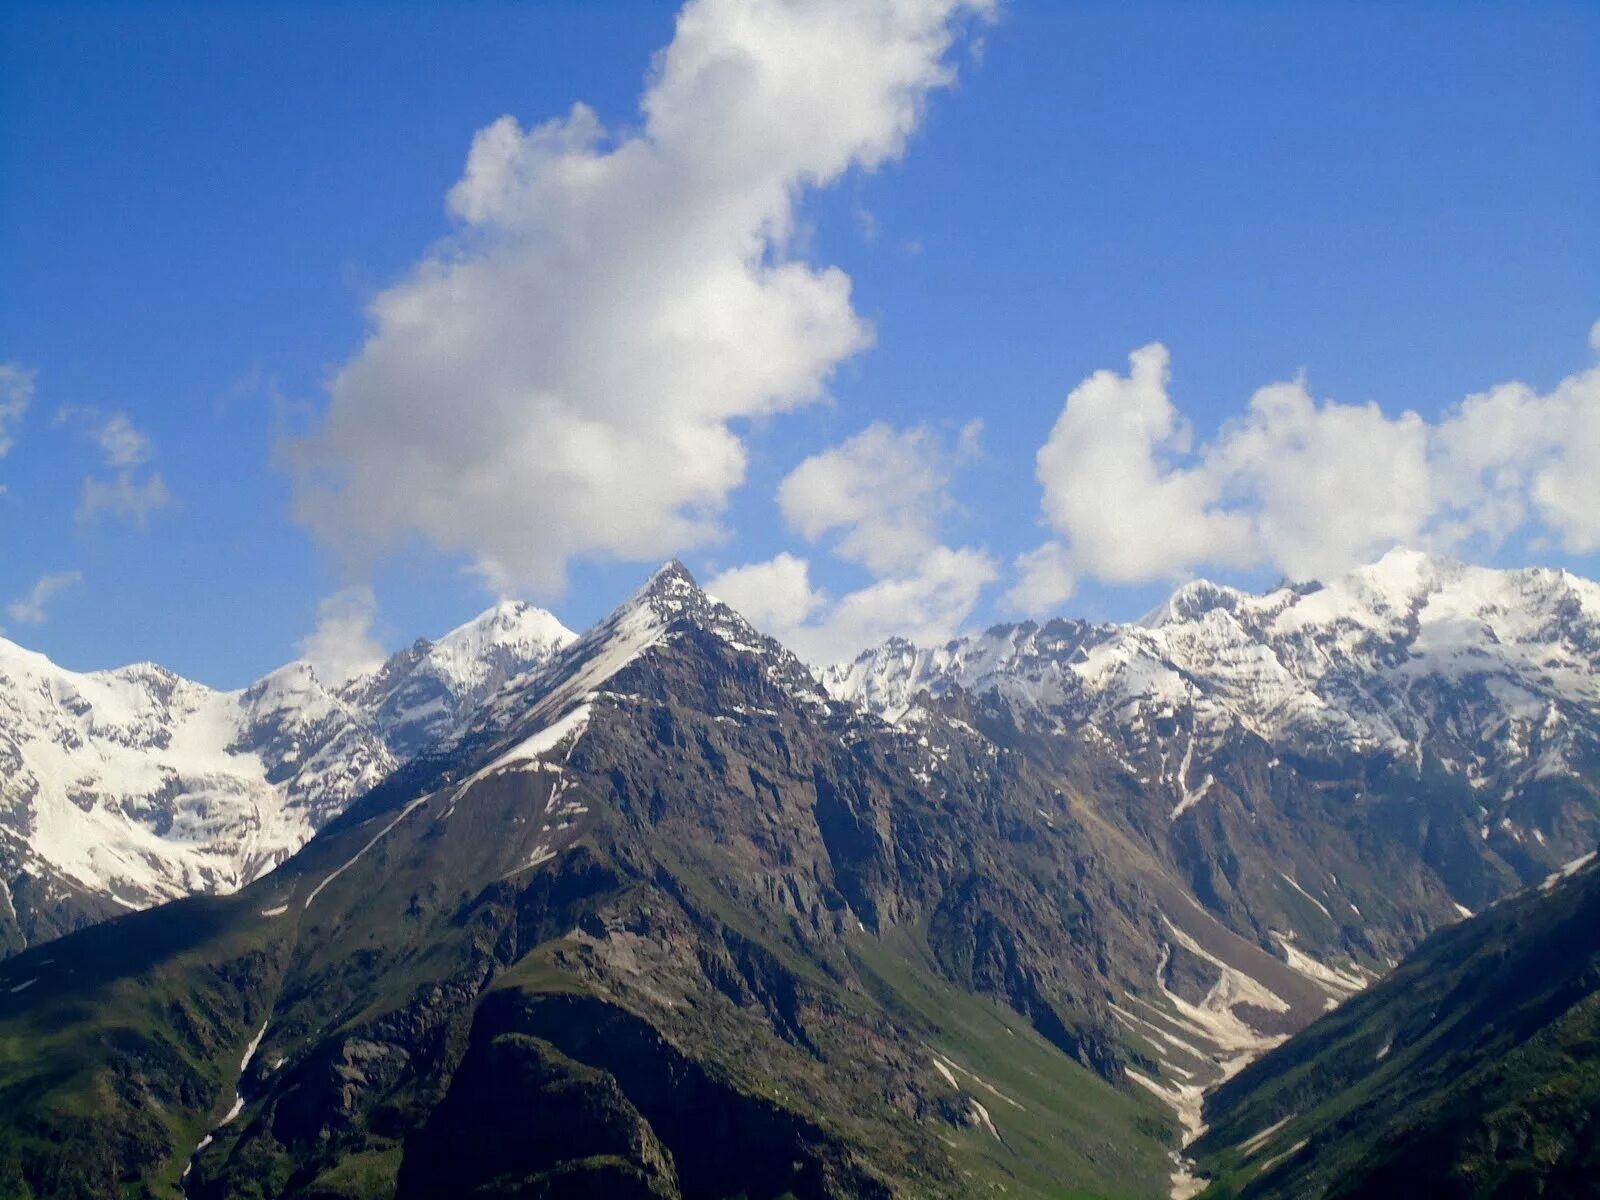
(1450, 712)
(123, 788)
(1482, 676)
(991, 916)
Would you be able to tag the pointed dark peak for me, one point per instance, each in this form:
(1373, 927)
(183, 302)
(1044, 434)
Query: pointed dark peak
(673, 598)
(671, 589)
(672, 595)
(669, 610)
(671, 575)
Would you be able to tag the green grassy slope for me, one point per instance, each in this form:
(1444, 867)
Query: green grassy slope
(1472, 1071)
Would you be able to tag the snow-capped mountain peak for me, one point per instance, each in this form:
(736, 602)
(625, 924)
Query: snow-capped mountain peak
(138, 784)
(1411, 649)
(422, 696)
(673, 602)
(1189, 601)
(512, 628)
(670, 605)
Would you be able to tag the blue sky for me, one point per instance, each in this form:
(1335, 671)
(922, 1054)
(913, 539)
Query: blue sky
(198, 203)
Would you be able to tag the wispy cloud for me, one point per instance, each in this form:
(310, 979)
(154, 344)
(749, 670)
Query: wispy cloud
(122, 497)
(126, 494)
(16, 393)
(120, 442)
(30, 607)
(342, 646)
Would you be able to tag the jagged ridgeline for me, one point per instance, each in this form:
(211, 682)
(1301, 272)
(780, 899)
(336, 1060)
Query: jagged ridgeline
(650, 912)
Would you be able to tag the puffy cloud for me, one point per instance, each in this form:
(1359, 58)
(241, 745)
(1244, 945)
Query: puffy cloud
(882, 493)
(1322, 487)
(1567, 490)
(885, 489)
(122, 497)
(927, 605)
(776, 594)
(573, 372)
(1112, 483)
(342, 646)
(30, 607)
(1045, 577)
(1511, 457)
(1306, 487)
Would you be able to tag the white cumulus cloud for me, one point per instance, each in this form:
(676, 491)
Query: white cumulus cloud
(1113, 483)
(1305, 486)
(883, 491)
(573, 374)
(881, 496)
(928, 605)
(1511, 457)
(772, 595)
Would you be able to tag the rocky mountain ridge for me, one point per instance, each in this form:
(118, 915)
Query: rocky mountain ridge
(1485, 683)
(1364, 662)
(127, 787)
(664, 872)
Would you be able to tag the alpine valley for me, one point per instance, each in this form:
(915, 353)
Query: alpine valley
(658, 912)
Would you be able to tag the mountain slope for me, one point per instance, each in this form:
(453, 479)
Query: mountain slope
(666, 873)
(666, 885)
(122, 788)
(1473, 1070)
